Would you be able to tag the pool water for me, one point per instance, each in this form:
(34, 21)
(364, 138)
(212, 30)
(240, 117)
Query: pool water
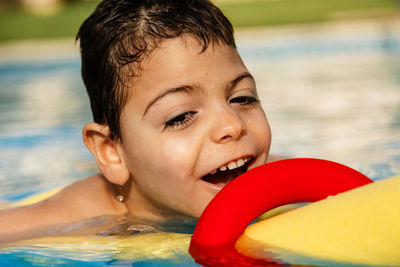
(329, 91)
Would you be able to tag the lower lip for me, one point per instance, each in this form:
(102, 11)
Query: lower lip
(213, 187)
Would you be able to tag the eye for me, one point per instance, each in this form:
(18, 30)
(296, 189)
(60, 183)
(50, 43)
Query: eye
(179, 121)
(244, 100)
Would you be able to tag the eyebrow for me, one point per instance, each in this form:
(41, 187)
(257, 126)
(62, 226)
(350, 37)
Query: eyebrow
(192, 88)
(183, 88)
(234, 82)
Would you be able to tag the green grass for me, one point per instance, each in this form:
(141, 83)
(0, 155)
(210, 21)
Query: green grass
(257, 13)
(19, 24)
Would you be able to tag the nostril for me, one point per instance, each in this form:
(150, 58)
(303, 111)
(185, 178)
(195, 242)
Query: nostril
(234, 135)
(226, 137)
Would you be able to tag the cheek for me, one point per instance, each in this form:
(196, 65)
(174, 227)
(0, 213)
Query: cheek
(168, 157)
(175, 147)
(170, 171)
(179, 154)
(259, 126)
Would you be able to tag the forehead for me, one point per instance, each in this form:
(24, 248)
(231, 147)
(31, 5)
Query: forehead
(180, 61)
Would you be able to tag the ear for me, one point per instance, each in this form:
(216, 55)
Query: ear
(106, 152)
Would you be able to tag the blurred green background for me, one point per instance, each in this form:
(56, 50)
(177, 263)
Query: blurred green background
(36, 19)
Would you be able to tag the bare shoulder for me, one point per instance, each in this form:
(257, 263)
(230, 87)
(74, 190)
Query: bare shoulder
(90, 197)
(85, 198)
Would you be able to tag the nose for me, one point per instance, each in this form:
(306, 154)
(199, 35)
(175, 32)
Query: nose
(227, 126)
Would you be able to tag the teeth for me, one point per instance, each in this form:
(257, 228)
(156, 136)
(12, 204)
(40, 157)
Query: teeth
(233, 165)
(240, 163)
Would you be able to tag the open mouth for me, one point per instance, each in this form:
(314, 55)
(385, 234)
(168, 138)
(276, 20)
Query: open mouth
(227, 173)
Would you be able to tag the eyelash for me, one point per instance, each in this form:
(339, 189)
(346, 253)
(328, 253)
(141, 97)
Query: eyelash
(183, 119)
(179, 121)
(245, 100)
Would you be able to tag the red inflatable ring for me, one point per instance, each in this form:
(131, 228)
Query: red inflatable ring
(259, 190)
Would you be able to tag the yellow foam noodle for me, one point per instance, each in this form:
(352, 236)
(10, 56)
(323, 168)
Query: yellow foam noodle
(149, 246)
(361, 226)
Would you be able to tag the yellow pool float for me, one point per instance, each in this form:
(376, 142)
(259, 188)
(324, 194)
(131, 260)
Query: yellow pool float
(361, 226)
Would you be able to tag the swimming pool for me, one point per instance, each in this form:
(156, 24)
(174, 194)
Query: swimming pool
(330, 91)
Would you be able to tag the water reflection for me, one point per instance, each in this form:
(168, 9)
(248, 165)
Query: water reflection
(43, 107)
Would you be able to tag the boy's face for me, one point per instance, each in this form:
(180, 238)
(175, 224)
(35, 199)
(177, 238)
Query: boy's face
(190, 114)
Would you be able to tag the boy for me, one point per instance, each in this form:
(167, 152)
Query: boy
(176, 116)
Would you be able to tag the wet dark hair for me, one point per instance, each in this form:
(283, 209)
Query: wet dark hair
(120, 33)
